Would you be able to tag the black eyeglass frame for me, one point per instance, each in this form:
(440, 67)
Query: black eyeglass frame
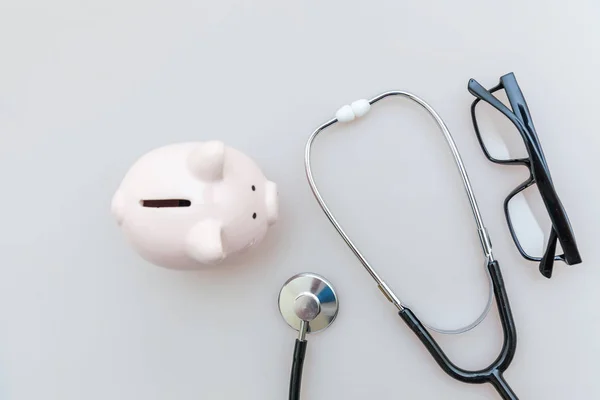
(538, 168)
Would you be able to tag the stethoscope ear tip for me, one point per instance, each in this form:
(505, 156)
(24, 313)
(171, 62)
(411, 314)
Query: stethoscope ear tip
(308, 299)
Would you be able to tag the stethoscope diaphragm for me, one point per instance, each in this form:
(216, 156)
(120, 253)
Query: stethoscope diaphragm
(310, 299)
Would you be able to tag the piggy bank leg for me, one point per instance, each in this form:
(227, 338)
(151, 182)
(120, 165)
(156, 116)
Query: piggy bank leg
(204, 243)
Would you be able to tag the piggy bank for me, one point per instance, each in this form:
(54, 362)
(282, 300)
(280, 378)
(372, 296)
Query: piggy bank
(192, 204)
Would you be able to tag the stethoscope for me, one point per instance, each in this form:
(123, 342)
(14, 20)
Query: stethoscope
(303, 309)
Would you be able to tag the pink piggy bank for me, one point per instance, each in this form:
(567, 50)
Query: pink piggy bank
(189, 204)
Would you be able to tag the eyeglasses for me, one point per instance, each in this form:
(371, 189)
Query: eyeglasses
(519, 117)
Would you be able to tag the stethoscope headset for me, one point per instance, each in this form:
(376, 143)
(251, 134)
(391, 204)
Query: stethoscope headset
(309, 303)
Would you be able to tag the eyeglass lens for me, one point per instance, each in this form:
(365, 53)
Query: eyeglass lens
(499, 136)
(530, 222)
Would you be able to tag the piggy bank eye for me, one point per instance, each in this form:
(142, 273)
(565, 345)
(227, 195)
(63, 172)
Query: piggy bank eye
(253, 188)
(254, 216)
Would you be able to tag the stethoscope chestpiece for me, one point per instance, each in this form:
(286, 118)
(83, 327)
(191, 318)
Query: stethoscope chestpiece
(308, 302)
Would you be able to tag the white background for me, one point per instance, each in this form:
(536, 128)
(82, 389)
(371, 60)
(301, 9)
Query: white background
(87, 87)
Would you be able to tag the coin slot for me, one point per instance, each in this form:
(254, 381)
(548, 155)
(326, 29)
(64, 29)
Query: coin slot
(165, 203)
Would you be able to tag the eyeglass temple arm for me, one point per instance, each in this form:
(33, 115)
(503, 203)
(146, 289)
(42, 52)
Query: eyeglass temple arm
(479, 91)
(493, 373)
(547, 261)
(482, 93)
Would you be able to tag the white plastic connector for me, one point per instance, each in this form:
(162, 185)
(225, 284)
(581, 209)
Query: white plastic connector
(356, 110)
(360, 107)
(345, 114)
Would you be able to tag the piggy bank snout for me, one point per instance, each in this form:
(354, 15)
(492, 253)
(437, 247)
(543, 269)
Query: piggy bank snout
(272, 202)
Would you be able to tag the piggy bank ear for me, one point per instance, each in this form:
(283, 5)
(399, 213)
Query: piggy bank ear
(272, 202)
(203, 242)
(206, 160)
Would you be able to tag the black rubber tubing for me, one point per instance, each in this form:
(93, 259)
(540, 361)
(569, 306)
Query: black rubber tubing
(297, 365)
(493, 373)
